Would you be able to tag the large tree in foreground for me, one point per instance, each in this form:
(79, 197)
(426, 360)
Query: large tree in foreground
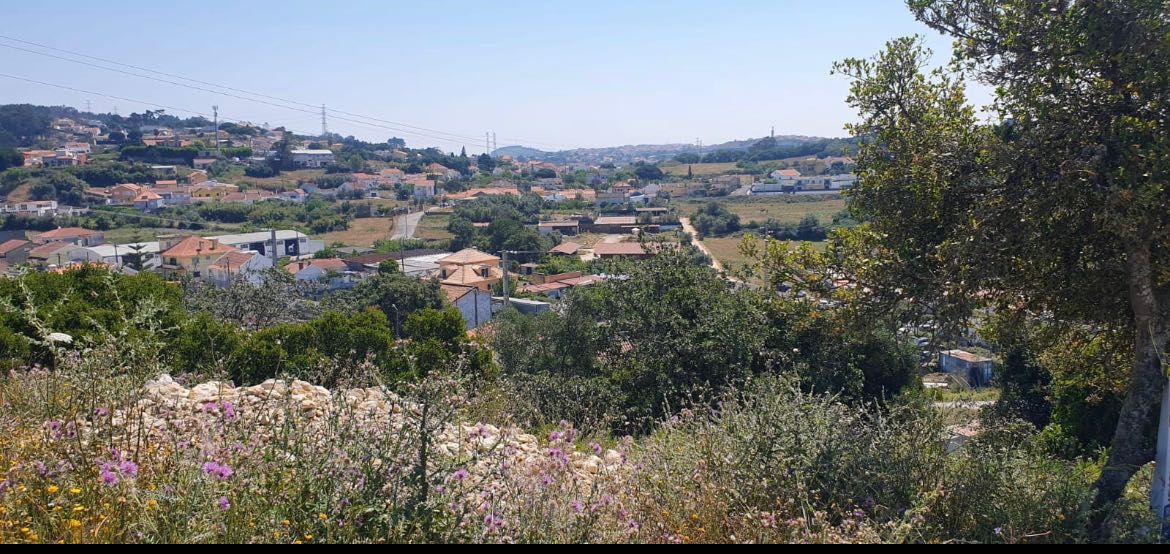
(1060, 206)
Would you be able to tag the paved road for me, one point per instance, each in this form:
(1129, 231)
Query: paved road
(406, 225)
(686, 225)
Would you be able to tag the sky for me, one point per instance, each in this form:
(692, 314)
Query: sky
(552, 75)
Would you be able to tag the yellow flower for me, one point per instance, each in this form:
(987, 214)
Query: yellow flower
(298, 542)
(152, 504)
(74, 490)
(308, 537)
(74, 523)
(285, 523)
(322, 517)
(79, 508)
(53, 489)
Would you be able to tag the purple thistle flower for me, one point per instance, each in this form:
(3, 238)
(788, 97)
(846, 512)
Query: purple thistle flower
(999, 531)
(229, 410)
(459, 475)
(596, 448)
(100, 412)
(554, 436)
(577, 506)
(217, 470)
(546, 479)
(224, 504)
(109, 478)
(40, 468)
(128, 468)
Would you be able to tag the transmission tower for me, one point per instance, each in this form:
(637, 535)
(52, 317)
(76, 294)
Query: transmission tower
(324, 126)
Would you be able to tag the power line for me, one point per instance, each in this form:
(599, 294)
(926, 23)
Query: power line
(115, 97)
(462, 138)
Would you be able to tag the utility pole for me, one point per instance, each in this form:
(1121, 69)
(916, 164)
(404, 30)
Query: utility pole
(274, 256)
(495, 145)
(215, 114)
(504, 263)
(88, 109)
(487, 142)
(324, 127)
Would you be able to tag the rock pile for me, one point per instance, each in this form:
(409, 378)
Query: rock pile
(167, 407)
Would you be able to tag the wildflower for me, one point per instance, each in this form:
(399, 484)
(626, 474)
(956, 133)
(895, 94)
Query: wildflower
(223, 503)
(128, 468)
(229, 410)
(75, 491)
(308, 538)
(546, 479)
(40, 468)
(100, 412)
(322, 517)
(459, 475)
(999, 531)
(73, 523)
(151, 504)
(577, 506)
(109, 478)
(596, 448)
(632, 526)
(53, 489)
(217, 470)
(286, 523)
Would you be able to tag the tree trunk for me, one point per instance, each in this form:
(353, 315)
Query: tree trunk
(1127, 452)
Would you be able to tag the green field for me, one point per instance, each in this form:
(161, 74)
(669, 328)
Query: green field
(786, 209)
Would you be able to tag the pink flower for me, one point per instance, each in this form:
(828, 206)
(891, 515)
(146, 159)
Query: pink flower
(217, 470)
(128, 468)
(224, 504)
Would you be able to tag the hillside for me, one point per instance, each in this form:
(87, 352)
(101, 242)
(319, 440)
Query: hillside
(646, 152)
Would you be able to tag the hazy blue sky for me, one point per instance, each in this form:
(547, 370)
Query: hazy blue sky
(552, 74)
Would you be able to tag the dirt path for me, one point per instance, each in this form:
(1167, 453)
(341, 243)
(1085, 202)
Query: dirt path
(686, 225)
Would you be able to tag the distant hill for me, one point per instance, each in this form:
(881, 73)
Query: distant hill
(520, 152)
(645, 152)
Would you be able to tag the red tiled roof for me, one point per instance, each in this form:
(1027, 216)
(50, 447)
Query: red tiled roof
(9, 246)
(45, 250)
(68, 232)
(567, 248)
(197, 246)
(455, 292)
(327, 264)
(469, 256)
(233, 260)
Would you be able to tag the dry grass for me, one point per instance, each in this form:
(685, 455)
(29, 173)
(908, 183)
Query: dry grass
(700, 170)
(434, 227)
(287, 180)
(786, 209)
(726, 250)
(362, 232)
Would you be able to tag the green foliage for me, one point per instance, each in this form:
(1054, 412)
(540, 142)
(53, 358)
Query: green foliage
(714, 219)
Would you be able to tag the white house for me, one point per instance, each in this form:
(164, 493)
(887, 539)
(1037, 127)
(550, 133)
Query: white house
(424, 190)
(250, 265)
(475, 305)
(312, 158)
(332, 272)
(843, 181)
